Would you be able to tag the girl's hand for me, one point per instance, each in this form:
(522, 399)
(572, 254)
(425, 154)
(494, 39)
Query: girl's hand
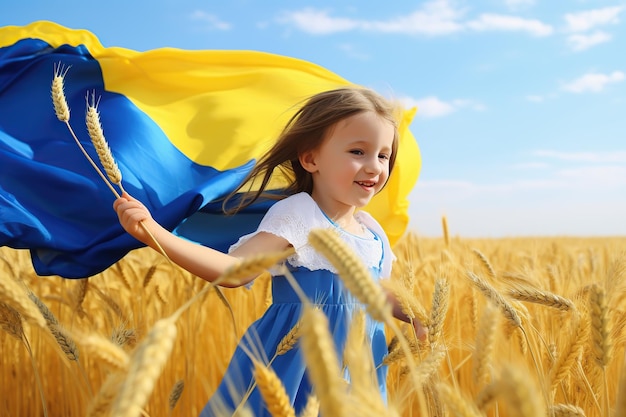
(421, 332)
(131, 213)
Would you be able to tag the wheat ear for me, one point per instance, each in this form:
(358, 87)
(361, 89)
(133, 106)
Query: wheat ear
(358, 281)
(63, 114)
(441, 297)
(456, 402)
(312, 407)
(485, 262)
(251, 266)
(65, 341)
(568, 410)
(600, 327)
(105, 350)
(354, 274)
(273, 391)
(492, 294)
(94, 128)
(175, 393)
(546, 298)
(322, 362)
(520, 393)
(573, 349)
(485, 344)
(146, 364)
(15, 296)
(11, 322)
(446, 233)
(289, 340)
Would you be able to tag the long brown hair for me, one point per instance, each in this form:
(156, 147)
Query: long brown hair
(305, 132)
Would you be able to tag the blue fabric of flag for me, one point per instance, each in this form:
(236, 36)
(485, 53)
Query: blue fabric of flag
(52, 201)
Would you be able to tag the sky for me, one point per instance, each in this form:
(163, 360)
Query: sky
(521, 104)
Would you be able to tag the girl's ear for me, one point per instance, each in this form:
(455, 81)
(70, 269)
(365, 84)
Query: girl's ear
(307, 160)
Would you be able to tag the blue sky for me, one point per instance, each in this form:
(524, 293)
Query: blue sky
(521, 103)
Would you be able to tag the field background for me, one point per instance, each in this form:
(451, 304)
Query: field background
(571, 311)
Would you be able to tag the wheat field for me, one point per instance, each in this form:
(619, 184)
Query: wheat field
(516, 327)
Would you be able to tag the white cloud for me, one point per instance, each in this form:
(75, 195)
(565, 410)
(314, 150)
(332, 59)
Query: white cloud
(434, 18)
(212, 20)
(594, 157)
(580, 42)
(318, 22)
(584, 21)
(493, 22)
(600, 176)
(432, 106)
(593, 82)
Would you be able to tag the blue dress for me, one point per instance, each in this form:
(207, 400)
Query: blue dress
(291, 218)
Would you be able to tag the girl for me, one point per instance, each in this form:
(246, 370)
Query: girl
(338, 150)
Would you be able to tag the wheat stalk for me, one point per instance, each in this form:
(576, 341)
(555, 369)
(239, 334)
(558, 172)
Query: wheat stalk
(273, 391)
(620, 402)
(11, 322)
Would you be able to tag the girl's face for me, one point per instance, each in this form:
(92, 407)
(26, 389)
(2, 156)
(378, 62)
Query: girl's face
(352, 163)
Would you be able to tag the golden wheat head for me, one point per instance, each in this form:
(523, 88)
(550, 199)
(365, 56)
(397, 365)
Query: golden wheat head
(61, 108)
(354, 273)
(94, 128)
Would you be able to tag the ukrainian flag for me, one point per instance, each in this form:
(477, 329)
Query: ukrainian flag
(185, 127)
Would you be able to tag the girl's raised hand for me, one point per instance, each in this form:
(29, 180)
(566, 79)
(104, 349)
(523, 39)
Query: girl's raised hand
(130, 213)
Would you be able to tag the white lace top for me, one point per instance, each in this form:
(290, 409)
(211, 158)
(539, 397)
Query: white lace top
(293, 217)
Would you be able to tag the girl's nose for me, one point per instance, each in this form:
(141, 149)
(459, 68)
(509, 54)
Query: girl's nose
(373, 166)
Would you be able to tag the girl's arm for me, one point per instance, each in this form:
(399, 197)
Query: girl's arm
(420, 330)
(202, 261)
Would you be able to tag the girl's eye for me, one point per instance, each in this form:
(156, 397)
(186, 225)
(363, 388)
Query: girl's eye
(383, 156)
(356, 152)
